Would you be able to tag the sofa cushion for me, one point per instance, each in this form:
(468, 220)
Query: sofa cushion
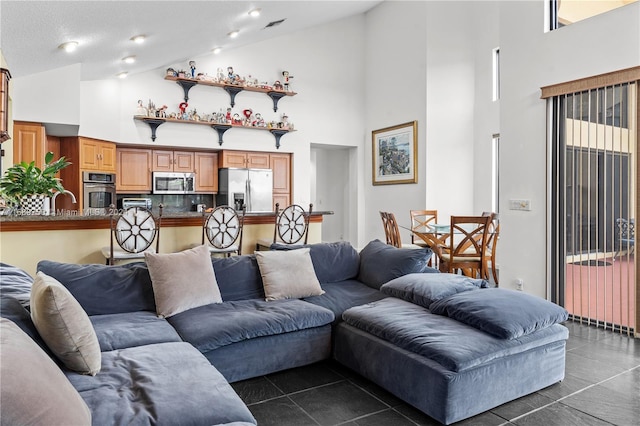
(13, 310)
(33, 389)
(507, 314)
(453, 344)
(64, 325)
(238, 277)
(16, 283)
(118, 331)
(380, 263)
(333, 262)
(163, 384)
(216, 325)
(102, 289)
(288, 274)
(182, 280)
(340, 296)
(424, 289)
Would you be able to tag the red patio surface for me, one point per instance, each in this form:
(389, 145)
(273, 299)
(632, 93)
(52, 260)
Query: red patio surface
(603, 291)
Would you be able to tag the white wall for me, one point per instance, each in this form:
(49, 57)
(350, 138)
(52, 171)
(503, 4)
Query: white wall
(395, 93)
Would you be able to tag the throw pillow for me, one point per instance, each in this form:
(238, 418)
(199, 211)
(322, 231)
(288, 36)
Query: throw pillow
(64, 325)
(288, 274)
(34, 390)
(424, 289)
(182, 281)
(380, 263)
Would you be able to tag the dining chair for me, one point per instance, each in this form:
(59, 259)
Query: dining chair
(134, 232)
(467, 246)
(421, 221)
(222, 228)
(292, 224)
(392, 231)
(493, 235)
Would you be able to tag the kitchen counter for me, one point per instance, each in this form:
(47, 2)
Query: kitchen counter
(75, 221)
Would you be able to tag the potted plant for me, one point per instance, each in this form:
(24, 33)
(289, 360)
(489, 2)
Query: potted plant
(28, 185)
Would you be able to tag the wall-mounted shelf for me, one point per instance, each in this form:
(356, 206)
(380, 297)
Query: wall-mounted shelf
(231, 89)
(154, 123)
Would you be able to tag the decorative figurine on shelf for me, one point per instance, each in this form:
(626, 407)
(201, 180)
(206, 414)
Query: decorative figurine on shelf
(181, 74)
(220, 76)
(171, 72)
(236, 119)
(162, 112)
(193, 115)
(151, 109)
(183, 110)
(250, 81)
(228, 116)
(258, 120)
(285, 79)
(247, 114)
(141, 110)
(277, 85)
(192, 65)
(284, 124)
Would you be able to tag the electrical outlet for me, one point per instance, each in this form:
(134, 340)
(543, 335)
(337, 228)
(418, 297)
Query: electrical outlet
(519, 284)
(524, 205)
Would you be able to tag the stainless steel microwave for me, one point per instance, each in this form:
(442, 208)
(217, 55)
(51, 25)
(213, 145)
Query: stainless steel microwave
(173, 183)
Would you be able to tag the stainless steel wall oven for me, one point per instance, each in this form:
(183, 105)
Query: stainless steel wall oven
(99, 192)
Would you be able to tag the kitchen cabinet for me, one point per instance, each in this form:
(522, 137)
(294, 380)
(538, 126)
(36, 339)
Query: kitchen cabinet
(206, 172)
(133, 170)
(173, 161)
(244, 159)
(281, 166)
(29, 143)
(96, 155)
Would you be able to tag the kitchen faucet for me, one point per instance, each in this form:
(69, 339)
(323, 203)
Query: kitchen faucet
(53, 200)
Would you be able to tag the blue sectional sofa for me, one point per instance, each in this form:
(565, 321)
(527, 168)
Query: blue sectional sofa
(374, 316)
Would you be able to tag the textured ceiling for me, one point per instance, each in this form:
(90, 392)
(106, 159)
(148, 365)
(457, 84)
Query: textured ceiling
(31, 31)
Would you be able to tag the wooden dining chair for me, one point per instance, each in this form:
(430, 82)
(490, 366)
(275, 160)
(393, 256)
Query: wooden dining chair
(421, 221)
(467, 246)
(292, 223)
(222, 228)
(493, 235)
(392, 231)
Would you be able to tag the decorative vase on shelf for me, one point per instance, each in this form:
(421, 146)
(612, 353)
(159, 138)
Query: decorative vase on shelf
(32, 204)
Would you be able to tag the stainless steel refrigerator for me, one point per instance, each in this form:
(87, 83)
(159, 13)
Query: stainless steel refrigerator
(251, 187)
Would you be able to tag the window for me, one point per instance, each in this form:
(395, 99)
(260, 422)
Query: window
(496, 74)
(566, 12)
(495, 173)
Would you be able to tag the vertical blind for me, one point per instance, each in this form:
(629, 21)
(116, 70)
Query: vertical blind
(593, 159)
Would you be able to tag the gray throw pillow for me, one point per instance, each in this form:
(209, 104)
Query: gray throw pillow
(34, 390)
(183, 280)
(424, 289)
(64, 325)
(288, 274)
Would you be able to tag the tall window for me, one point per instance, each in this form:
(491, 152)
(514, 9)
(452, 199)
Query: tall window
(496, 74)
(566, 12)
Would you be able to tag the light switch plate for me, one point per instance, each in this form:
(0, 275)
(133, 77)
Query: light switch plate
(520, 205)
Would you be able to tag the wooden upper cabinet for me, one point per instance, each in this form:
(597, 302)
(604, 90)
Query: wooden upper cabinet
(96, 155)
(244, 160)
(133, 170)
(281, 166)
(29, 143)
(173, 161)
(206, 172)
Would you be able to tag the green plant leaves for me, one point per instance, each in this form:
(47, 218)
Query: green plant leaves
(26, 179)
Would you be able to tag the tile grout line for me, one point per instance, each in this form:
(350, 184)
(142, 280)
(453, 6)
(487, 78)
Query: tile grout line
(570, 395)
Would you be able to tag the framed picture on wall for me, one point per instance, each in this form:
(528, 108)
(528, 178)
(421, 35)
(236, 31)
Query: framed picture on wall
(395, 154)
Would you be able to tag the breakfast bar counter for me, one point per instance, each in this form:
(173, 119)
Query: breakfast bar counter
(70, 238)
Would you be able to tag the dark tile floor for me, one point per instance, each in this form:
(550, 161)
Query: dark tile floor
(601, 387)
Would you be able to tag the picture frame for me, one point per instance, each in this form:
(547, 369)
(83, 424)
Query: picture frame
(395, 154)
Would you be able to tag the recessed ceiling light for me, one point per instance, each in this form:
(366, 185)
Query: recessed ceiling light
(217, 50)
(69, 46)
(234, 33)
(138, 39)
(122, 74)
(255, 12)
(129, 59)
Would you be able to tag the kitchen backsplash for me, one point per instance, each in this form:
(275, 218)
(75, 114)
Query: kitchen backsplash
(173, 203)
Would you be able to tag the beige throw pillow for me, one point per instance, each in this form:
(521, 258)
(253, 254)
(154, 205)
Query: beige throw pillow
(288, 274)
(183, 280)
(34, 390)
(64, 325)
